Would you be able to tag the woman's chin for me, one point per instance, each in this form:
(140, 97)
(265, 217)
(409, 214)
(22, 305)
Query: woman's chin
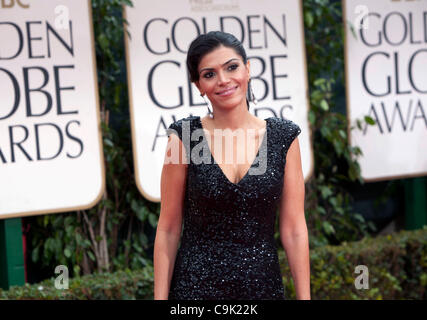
(229, 103)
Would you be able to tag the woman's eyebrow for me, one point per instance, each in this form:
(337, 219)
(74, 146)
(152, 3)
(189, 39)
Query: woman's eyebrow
(232, 59)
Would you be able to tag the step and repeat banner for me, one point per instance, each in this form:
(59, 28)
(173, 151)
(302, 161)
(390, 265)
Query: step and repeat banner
(386, 79)
(51, 157)
(160, 91)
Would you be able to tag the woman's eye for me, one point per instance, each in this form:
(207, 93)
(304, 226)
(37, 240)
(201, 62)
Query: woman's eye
(233, 67)
(208, 75)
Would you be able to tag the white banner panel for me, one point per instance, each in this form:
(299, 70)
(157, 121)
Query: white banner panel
(386, 75)
(160, 92)
(51, 156)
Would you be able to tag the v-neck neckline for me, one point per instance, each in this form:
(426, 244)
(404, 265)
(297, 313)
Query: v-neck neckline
(264, 138)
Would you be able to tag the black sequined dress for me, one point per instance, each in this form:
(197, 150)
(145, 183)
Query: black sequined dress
(227, 248)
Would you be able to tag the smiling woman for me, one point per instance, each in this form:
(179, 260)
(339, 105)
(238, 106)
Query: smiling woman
(225, 83)
(228, 209)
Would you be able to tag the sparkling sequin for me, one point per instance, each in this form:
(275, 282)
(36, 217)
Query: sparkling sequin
(227, 247)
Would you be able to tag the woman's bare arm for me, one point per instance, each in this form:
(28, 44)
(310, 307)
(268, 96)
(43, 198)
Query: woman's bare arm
(293, 227)
(173, 181)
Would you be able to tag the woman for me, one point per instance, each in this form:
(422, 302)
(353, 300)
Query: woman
(228, 210)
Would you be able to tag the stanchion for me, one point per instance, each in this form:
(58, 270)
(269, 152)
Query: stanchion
(415, 203)
(12, 271)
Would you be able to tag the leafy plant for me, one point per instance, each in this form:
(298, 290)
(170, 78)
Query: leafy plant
(329, 214)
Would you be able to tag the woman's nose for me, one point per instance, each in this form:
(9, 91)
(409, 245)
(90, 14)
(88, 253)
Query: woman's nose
(222, 78)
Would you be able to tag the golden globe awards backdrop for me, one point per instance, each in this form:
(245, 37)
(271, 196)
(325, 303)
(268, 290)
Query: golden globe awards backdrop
(160, 91)
(50, 144)
(386, 75)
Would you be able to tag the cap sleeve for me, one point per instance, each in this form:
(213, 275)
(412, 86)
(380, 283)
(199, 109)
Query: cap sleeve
(181, 129)
(175, 128)
(290, 131)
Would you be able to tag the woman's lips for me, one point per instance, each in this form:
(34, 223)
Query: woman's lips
(227, 92)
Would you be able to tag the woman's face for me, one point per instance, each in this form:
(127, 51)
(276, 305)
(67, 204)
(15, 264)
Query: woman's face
(223, 77)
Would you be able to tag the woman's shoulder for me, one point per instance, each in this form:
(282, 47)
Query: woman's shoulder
(181, 125)
(284, 131)
(181, 121)
(284, 124)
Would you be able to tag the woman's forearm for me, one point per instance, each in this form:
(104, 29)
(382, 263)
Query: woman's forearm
(297, 251)
(165, 249)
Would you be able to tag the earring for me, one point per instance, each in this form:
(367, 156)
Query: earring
(253, 99)
(207, 105)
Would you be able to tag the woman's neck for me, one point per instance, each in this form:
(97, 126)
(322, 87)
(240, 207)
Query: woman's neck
(236, 118)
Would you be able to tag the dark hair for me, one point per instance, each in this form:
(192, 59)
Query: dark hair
(205, 43)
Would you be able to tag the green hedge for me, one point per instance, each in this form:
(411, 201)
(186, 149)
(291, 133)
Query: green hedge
(126, 285)
(397, 267)
(397, 270)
